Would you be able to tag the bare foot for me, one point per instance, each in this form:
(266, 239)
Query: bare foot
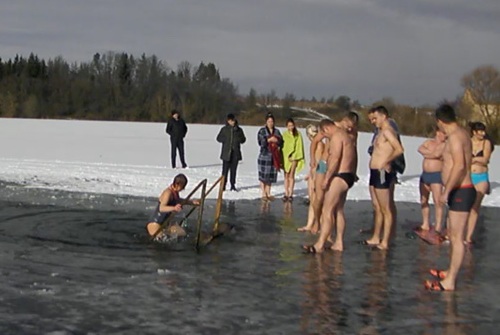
(371, 242)
(337, 247)
(304, 229)
(382, 246)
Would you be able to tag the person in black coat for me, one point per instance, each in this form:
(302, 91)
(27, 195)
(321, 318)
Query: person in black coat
(177, 129)
(232, 137)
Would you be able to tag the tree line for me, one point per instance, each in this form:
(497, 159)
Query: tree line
(120, 86)
(113, 86)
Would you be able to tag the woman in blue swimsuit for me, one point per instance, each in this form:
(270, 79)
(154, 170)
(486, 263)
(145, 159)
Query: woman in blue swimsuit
(482, 148)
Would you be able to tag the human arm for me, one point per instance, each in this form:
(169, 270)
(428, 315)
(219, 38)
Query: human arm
(312, 150)
(262, 138)
(397, 151)
(241, 135)
(184, 129)
(431, 153)
(458, 168)
(334, 155)
(168, 130)
(221, 137)
(165, 199)
(485, 160)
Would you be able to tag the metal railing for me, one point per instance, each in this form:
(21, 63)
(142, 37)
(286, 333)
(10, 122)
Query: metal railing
(204, 193)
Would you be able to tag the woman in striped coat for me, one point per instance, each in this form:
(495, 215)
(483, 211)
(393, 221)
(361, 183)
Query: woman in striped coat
(270, 156)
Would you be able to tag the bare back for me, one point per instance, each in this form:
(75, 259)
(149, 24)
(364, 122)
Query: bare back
(457, 153)
(343, 142)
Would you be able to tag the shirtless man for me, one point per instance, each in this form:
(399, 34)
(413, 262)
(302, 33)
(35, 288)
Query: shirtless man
(386, 147)
(338, 179)
(430, 180)
(458, 193)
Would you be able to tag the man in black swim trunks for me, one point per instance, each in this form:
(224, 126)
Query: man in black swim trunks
(386, 148)
(339, 178)
(458, 193)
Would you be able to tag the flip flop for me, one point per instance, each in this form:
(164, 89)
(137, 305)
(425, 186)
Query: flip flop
(309, 249)
(434, 285)
(440, 274)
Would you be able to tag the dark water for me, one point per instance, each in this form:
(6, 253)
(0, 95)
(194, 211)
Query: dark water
(80, 264)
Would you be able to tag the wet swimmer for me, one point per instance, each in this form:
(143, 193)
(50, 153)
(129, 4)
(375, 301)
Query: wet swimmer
(169, 203)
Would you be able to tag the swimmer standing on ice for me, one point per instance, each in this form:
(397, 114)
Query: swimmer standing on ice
(169, 202)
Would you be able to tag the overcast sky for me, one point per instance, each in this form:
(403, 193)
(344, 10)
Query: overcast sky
(415, 51)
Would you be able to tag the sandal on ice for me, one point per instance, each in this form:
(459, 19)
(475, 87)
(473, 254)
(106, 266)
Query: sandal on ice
(440, 274)
(434, 285)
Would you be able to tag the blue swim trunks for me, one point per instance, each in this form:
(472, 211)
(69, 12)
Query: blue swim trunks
(321, 168)
(428, 178)
(479, 177)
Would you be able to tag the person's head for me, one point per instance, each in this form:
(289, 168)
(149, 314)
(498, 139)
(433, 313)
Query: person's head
(290, 125)
(478, 130)
(378, 115)
(231, 119)
(175, 114)
(440, 135)
(270, 120)
(326, 127)
(311, 131)
(180, 182)
(445, 115)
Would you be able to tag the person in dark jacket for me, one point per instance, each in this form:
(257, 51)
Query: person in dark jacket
(232, 137)
(177, 129)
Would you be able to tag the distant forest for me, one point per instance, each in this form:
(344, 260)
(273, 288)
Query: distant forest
(113, 86)
(119, 86)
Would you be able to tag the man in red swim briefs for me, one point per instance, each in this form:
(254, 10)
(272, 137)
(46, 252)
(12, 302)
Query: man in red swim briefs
(458, 193)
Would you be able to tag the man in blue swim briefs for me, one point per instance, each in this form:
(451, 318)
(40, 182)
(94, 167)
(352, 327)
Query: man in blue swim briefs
(338, 179)
(386, 148)
(430, 180)
(458, 193)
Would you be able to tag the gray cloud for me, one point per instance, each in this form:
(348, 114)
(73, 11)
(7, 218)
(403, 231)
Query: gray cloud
(414, 51)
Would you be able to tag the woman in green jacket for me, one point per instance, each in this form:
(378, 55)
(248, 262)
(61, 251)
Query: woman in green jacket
(293, 157)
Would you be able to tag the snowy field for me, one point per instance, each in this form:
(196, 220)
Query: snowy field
(132, 158)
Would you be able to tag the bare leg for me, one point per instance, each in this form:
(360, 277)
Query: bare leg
(425, 191)
(481, 189)
(287, 183)
(262, 189)
(333, 197)
(383, 198)
(319, 199)
(394, 210)
(456, 228)
(378, 219)
(340, 223)
(291, 179)
(311, 220)
(436, 190)
(152, 228)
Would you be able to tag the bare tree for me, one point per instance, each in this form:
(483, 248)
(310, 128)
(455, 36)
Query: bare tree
(482, 90)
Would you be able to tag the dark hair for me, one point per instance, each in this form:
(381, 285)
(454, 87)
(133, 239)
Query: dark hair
(180, 180)
(174, 111)
(475, 126)
(353, 116)
(380, 109)
(446, 114)
(295, 132)
(269, 115)
(325, 123)
(230, 117)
